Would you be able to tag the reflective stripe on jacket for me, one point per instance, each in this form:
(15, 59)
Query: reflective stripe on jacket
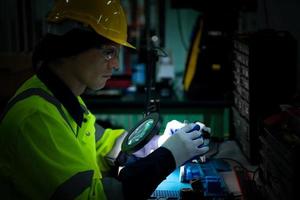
(46, 155)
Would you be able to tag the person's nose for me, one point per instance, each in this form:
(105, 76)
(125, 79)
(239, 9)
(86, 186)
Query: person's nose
(114, 63)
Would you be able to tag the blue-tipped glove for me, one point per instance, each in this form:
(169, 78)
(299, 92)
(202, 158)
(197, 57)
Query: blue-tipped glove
(187, 143)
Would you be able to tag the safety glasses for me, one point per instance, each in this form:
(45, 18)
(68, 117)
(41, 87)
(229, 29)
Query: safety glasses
(110, 52)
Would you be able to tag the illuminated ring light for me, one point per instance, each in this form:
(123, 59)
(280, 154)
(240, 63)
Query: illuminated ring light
(140, 135)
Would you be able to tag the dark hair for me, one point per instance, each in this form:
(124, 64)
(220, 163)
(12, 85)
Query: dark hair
(53, 47)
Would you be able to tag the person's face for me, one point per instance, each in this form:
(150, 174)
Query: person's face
(94, 67)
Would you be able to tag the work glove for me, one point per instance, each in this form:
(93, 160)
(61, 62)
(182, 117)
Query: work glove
(187, 143)
(157, 140)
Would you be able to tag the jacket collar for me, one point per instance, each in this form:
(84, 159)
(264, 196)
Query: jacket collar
(62, 93)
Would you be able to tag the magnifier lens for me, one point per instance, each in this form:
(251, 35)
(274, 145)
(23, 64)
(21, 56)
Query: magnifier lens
(140, 135)
(140, 132)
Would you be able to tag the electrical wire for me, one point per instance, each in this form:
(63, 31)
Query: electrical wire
(213, 146)
(240, 167)
(239, 164)
(231, 159)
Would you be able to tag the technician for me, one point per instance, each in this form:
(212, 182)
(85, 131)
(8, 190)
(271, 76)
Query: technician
(51, 147)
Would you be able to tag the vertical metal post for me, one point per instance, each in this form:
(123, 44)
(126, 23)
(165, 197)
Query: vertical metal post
(152, 57)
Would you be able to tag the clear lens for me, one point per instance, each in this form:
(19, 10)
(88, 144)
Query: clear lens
(110, 52)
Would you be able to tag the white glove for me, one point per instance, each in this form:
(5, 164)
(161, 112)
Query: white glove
(171, 128)
(158, 140)
(185, 144)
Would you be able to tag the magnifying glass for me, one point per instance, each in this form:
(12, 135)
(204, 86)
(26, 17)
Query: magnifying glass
(142, 133)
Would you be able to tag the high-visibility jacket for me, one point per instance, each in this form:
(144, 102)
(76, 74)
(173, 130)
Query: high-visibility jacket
(45, 155)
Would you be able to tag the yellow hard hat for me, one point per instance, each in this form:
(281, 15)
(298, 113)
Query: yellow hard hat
(106, 17)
